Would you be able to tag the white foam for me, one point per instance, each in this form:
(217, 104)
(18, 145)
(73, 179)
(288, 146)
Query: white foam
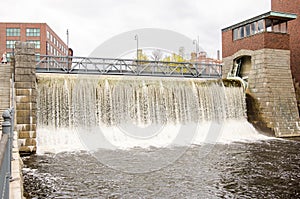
(63, 140)
(50, 140)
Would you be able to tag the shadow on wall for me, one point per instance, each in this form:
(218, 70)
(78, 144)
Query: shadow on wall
(254, 116)
(297, 91)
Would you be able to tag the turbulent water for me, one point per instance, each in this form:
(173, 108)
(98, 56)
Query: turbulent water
(115, 137)
(264, 169)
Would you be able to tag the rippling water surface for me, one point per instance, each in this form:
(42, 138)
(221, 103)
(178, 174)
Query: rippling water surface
(264, 169)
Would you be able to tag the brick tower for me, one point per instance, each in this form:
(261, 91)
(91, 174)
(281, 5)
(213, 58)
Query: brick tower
(292, 6)
(257, 51)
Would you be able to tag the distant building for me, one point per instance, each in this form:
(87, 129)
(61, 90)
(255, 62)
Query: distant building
(46, 41)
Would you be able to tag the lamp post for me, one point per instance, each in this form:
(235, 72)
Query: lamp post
(196, 43)
(136, 37)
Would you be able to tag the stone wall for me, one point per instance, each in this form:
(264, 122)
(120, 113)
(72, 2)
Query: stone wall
(5, 89)
(25, 89)
(270, 84)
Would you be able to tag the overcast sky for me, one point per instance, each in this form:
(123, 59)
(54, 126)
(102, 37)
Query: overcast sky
(91, 22)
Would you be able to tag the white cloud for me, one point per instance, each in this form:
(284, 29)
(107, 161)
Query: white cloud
(92, 22)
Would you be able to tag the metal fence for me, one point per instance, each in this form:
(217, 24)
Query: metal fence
(105, 66)
(6, 152)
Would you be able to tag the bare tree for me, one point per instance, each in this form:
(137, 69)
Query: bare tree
(157, 55)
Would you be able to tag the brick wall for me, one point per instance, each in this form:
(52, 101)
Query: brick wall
(292, 6)
(258, 41)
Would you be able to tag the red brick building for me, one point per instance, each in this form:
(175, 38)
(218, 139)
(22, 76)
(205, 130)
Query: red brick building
(263, 52)
(292, 6)
(47, 42)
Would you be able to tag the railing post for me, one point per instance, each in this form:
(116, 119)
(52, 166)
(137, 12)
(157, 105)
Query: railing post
(12, 123)
(6, 125)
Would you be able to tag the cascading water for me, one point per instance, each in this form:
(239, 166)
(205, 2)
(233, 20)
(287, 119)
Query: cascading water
(68, 104)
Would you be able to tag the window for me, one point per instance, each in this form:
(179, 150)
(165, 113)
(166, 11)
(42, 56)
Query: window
(248, 33)
(269, 25)
(37, 57)
(253, 28)
(8, 56)
(283, 27)
(36, 42)
(261, 25)
(14, 32)
(33, 32)
(10, 43)
(48, 34)
(235, 34)
(242, 32)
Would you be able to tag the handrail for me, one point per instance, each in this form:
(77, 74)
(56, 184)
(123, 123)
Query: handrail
(109, 66)
(6, 153)
(4, 166)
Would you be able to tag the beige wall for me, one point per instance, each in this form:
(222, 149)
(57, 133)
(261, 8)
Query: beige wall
(270, 83)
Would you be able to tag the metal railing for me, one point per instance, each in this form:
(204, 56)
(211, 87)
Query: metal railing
(6, 152)
(106, 66)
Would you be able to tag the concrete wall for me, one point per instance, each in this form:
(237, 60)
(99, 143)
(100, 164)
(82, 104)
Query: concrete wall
(5, 88)
(25, 89)
(271, 86)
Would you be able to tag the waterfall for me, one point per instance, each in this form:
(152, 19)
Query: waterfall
(72, 102)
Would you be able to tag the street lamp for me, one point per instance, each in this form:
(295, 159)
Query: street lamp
(136, 37)
(196, 43)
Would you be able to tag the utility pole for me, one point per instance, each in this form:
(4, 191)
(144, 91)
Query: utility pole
(68, 41)
(136, 37)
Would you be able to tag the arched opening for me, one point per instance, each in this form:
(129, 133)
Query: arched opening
(241, 67)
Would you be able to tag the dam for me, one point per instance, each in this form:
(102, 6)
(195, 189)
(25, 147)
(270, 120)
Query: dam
(131, 124)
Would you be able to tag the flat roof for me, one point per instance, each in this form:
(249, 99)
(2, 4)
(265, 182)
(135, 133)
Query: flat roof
(269, 15)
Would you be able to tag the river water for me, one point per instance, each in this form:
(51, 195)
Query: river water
(261, 169)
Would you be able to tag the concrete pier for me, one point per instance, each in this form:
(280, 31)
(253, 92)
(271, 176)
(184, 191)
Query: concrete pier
(25, 88)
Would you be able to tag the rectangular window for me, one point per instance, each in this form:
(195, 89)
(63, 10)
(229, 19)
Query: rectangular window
(269, 25)
(36, 42)
(8, 56)
(235, 34)
(14, 32)
(261, 24)
(283, 27)
(10, 43)
(253, 28)
(33, 32)
(48, 34)
(248, 32)
(37, 57)
(242, 32)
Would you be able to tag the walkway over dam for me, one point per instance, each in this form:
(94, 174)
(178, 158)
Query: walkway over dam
(130, 67)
